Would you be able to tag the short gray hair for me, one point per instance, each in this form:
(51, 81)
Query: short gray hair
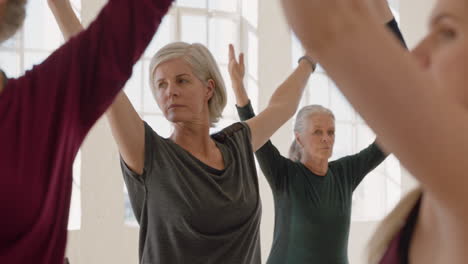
(12, 18)
(204, 67)
(295, 151)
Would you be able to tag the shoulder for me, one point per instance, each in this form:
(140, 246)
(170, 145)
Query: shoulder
(236, 131)
(154, 142)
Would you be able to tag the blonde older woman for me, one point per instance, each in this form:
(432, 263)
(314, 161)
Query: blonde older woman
(195, 195)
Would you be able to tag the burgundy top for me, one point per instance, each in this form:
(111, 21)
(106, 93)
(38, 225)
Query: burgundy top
(44, 116)
(398, 249)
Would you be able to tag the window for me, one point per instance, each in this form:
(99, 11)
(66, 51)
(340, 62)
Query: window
(381, 189)
(214, 23)
(38, 38)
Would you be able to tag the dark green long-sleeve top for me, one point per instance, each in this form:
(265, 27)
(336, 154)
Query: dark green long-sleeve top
(312, 213)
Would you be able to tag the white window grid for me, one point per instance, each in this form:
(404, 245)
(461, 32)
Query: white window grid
(241, 17)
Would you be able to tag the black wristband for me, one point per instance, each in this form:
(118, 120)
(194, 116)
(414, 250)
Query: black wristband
(312, 63)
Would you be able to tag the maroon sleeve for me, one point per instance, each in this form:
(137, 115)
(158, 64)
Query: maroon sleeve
(78, 82)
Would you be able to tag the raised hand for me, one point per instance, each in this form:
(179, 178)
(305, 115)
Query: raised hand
(236, 68)
(237, 73)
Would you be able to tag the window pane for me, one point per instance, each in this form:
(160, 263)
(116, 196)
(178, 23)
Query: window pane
(149, 102)
(250, 11)
(10, 63)
(41, 30)
(74, 220)
(162, 37)
(192, 3)
(252, 54)
(252, 92)
(11, 42)
(133, 88)
(365, 136)
(222, 33)
(159, 124)
(223, 5)
(394, 4)
(34, 58)
(367, 208)
(393, 194)
(229, 110)
(129, 216)
(194, 29)
(340, 106)
(393, 169)
(317, 90)
(359, 119)
(297, 50)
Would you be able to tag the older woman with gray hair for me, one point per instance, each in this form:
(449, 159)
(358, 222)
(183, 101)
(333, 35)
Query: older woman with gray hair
(313, 196)
(195, 195)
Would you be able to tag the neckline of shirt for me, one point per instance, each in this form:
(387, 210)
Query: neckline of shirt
(225, 154)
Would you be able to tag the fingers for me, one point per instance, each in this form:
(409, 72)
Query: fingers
(241, 59)
(232, 55)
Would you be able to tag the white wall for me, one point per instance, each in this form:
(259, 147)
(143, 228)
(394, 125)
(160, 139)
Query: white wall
(104, 238)
(274, 67)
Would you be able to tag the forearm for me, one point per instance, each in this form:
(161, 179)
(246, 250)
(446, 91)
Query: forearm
(282, 106)
(66, 18)
(381, 146)
(242, 99)
(382, 10)
(289, 93)
(245, 112)
(128, 131)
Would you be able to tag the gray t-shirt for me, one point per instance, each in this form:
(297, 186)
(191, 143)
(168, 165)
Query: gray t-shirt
(191, 213)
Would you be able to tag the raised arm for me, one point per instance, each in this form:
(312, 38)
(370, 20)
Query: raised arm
(237, 73)
(398, 100)
(274, 166)
(282, 106)
(381, 9)
(127, 126)
(66, 18)
(128, 130)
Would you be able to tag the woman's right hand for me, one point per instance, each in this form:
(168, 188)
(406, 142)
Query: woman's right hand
(237, 73)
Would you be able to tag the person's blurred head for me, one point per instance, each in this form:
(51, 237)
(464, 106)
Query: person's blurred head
(443, 53)
(12, 14)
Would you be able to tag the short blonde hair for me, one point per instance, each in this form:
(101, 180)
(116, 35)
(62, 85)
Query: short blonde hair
(203, 66)
(12, 18)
